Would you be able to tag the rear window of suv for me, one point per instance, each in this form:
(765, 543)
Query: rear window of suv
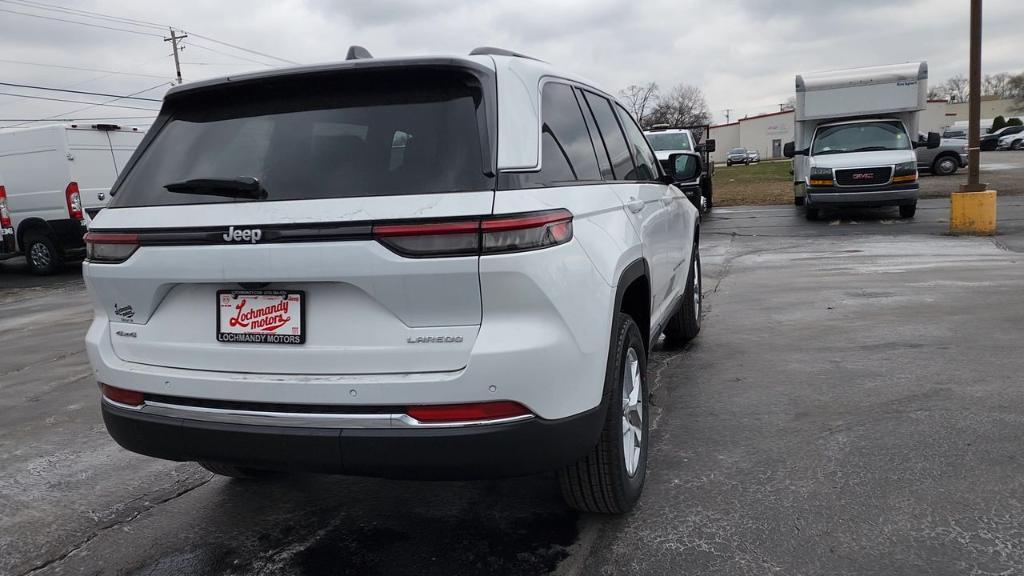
(350, 135)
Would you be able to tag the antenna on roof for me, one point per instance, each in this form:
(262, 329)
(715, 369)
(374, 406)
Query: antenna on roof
(358, 53)
(492, 51)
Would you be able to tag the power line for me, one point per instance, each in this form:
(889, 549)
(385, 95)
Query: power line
(94, 105)
(28, 120)
(83, 92)
(80, 22)
(66, 100)
(236, 47)
(222, 53)
(79, 68)
(81, 13)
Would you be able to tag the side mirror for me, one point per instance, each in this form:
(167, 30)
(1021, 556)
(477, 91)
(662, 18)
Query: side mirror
(934, 140)
(789, 150)
(685, 167)
(710, 145)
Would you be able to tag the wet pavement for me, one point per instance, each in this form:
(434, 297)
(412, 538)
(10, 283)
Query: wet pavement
(852, 406)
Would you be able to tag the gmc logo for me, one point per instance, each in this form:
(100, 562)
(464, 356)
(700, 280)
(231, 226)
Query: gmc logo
(863, 176)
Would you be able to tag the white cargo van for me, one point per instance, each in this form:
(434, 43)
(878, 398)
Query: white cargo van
(854, 143)
(56, 179)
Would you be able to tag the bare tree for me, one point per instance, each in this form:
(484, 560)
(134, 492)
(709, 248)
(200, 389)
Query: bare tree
(640, 100)
(957, 88)
(684, 105)
(1016, 90)
(997, 85)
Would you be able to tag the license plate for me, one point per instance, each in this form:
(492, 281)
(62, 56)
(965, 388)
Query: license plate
(261, 316)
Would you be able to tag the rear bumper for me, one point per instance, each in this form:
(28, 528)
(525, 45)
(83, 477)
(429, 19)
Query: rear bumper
(486, 451)
(883, 196)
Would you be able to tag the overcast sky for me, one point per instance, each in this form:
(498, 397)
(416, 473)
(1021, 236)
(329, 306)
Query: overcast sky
(742, 53)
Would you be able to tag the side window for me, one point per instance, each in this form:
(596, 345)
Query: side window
(567, 154)
(646, 161)
(595, 138)
(614, 141)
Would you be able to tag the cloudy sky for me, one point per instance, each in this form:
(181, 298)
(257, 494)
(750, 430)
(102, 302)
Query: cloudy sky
(742, 53)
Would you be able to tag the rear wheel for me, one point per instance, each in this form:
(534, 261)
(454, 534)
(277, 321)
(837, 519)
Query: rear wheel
(610, 478)
(945, 166)
(1017, 145)
(908, 211)
(41, 253)
(232, 471)
(812, 214)
(685, 324)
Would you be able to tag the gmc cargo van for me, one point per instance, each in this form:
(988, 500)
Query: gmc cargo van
(854, 144)
(56, 179)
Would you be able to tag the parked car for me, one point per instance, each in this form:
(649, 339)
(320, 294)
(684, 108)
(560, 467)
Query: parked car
(950, 156)
(1013, 141)
(737, 156)
(753, 156)
(279, 286)
(57, 178)
(667, 142)
(990, 142)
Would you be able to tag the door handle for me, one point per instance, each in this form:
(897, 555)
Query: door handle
(635, 205)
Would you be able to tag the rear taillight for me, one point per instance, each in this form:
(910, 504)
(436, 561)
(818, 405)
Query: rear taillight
(490, 235)
(5, 214)
(74, 199)
(467, 412)
(122, 396)
(110, 248)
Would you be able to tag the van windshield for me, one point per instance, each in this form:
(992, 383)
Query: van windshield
(677, 141)
(366, 134)
(860, 137)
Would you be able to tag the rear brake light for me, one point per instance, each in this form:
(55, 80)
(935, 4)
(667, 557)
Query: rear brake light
(5, 214)
(74, 199)
(122, 396)
(468, 412)
(490, 235)
(110, 248)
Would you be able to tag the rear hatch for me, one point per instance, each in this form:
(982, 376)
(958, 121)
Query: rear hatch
(263, 259)
(99, 152)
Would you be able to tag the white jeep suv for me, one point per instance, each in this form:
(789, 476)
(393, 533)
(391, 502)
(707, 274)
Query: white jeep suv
(448, 267)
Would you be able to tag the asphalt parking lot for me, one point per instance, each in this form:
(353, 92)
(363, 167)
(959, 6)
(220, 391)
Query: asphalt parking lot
(853, 406)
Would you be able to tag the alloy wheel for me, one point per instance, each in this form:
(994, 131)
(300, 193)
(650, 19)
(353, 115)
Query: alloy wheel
(40, 255)
(632, 412)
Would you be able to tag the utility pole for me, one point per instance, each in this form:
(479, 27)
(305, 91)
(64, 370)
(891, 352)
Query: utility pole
(972, 210)
(727, 111)
(174, 43)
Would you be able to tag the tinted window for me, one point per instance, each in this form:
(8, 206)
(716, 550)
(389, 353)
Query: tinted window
(611, 132)
(567, 154)
(371, 134)
(643, 156)
(595, 138)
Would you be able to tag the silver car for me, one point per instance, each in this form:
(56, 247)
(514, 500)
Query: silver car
(950, 156)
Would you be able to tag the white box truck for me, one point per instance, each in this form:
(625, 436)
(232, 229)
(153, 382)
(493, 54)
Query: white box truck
(856, 131)
(55, 179)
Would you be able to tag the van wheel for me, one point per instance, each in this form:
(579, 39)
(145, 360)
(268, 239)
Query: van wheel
(908, 211)
(812, 214)
(685, 324)
(798, 200)
(41, 253)
(231, 471)
(610, 479)
(945, 166)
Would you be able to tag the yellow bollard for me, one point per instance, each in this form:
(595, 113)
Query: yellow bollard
(972, 213)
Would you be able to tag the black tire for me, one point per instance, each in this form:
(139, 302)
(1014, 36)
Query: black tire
(231, 471)
(908, 210)
(799, 200)
(1017, 145)
(945, 165)
(600, 481)
(812, 214)
(728, 164)
(41, 253)
(685, 324)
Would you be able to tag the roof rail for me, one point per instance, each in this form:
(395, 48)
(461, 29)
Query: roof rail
(357, 53)
(492, 51)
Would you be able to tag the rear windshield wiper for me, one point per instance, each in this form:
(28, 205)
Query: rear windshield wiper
(238, 187)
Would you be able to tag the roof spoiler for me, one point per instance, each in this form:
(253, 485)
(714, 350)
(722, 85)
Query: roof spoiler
(492, 51)
(358, 53)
